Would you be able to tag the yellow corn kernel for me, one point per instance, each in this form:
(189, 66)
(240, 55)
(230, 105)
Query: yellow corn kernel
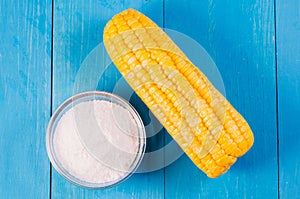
(205, 125)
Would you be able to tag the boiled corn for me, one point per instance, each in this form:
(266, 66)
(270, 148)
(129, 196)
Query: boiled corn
(205, 125)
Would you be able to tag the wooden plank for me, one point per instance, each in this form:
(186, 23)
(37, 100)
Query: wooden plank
(25, 87)
(288, 65)
(78, 29)
(239, 35)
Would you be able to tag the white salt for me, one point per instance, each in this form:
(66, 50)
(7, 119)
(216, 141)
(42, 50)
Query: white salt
(97, 152)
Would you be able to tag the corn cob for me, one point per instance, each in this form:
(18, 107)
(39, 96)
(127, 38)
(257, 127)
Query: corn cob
(204, 124)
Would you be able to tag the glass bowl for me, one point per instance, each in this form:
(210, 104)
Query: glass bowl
(86, 97)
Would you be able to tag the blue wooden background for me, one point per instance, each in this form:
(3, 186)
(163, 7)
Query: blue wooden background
(255, 44)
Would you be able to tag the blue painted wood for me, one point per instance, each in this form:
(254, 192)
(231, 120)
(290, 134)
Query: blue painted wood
(239, 35)
(78, 29)
(25, 90)
(288, 64)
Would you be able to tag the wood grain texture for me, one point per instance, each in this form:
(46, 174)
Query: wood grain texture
(288, 64)
(25, 80)
(239, 35)
(78, 29)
